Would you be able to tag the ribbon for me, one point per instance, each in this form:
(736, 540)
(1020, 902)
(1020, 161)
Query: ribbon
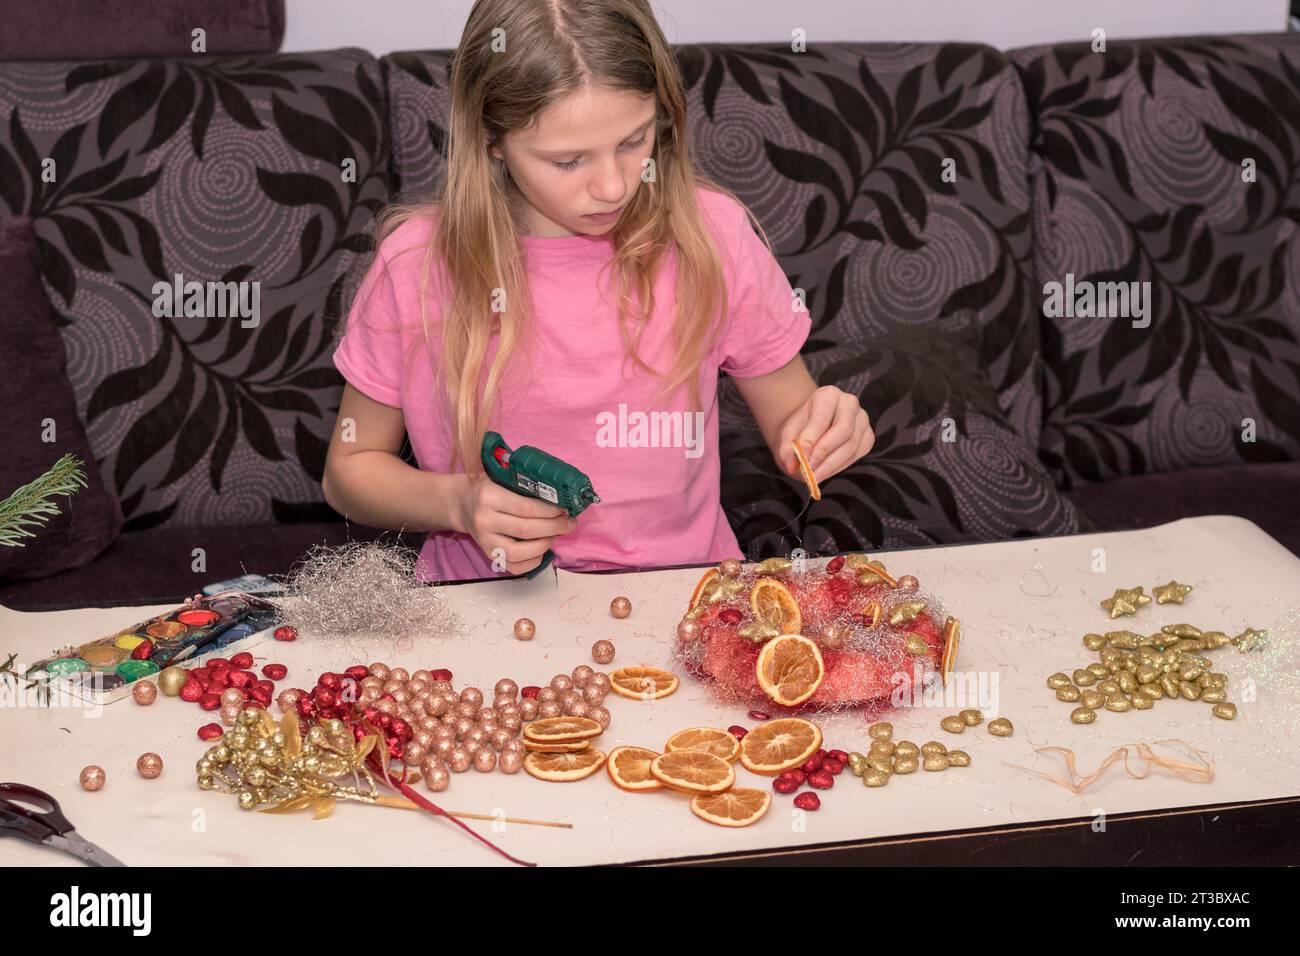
(1202, 772)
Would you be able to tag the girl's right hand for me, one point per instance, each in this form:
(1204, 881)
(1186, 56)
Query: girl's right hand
(522, 528)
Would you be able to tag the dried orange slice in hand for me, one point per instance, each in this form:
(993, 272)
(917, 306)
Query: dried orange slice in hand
(707, 740)
(779, 744)
(790, 669)
(698, 593)
(642, 683)
(693, 771)
(563, 768)
(774, 605)
(629, 768)
(738, 807)
(806, 472)
(560, 730)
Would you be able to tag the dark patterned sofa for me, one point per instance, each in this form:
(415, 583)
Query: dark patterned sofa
(921, 195)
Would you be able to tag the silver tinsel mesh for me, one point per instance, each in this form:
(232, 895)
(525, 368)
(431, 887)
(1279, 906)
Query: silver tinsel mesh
(358, 587)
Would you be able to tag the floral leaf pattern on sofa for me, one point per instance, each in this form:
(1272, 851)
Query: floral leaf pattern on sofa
(1141, 175)
(222, 169)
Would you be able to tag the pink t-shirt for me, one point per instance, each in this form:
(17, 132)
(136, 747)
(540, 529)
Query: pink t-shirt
(657, 475)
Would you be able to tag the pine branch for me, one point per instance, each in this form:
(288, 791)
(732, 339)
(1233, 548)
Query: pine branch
(31, 505)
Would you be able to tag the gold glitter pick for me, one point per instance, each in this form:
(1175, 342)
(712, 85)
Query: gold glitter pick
(873, 571)
(1125, 601)
(1171, 593)
(951, 638)
(906, 612)
(1251, 640)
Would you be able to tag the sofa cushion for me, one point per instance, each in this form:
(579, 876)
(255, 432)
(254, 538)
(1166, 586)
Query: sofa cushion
(1265, 494)
(919, 287)
(41, 421)
(76, 30)
(1145, 156)
(156, 566)
(217, 169)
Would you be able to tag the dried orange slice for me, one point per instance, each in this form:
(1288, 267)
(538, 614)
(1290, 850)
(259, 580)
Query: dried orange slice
(693, 771)
(708, 740)
(563, 768)
(779, 744)
(790, 669)
(774, 605)
(629, 768)
(642, 683)
(805, 470)
(698, 593)
(561, 730)
(565, 747)
(738, 807)
(951, 638)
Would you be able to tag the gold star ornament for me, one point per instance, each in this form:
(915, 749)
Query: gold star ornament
(1171, 593)
(1125, 601)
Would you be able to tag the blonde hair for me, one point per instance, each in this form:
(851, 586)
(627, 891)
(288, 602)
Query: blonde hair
(553, 50)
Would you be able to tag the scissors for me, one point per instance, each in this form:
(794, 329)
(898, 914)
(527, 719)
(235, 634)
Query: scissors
(45, 826)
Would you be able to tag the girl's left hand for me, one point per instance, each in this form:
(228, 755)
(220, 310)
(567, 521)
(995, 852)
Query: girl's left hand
(833, 430)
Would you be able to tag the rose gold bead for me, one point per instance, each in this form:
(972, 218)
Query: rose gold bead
(525, 629)
(907, 583)
(288, 700)
(600, 680)
(375, 682)
(600, 715)
(386, 707)
(577, 709)
(369, 696)
(471, 747)
(92, 778)
(506, 688)
(381, 671)
(413, 753)
(502, 701)
(230, 713)
(444, 747)
(417, 688)
(528, 709)
(443, 732)
(478, 735)
(511, 761)
(688, 631)
(547, 694)
(432, 762)
(401, 696)
(549, 709)
(232, 695)
(423, 675)
(424, 738)
(602, 652)
(500, 738)
(486, 713)
(560, 683)
(400, 673)
(620, 607)
(438, 779)
(472, 695)
(144, 693)
(592, 696)
(464, 725)
(512, 723)
(429, 724)
(581, 674)
(459, 760)
(391, 685)
(467, 709)
(435, 706)
(149, 765)
(517, 746)
(569, 698)
(485, 760)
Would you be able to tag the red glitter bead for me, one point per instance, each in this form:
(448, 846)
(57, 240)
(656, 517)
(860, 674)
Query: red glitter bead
(331, 680)
(737, 731)
(201, 673)
(822, 780)
(839, 755)
(240, 679)
(785, 785)
(264, 685)
(216, 663)
(286, 633)
(358, 672)
(834, 564)
(812, 764)
(832, 766)
(758, 715)
(243, 660)
(442, 674)
(142, 651)
(401, 729)
(306, 707)
(797, 775)
(210, 701)
(808, 801)
(530, 692)
(210, 732)
(263, 697)
(275, 671)
(192, 690)
(221, 678)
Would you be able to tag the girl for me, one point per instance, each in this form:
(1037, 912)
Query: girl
(575, 286)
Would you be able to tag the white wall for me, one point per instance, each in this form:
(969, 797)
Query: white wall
(382, 26)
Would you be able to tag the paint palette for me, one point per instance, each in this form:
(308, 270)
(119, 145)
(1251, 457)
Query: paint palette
(104, 669)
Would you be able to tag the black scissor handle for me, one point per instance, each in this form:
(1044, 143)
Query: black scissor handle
(48, 815)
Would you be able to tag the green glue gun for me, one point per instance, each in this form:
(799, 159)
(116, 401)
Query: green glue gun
(530, 471)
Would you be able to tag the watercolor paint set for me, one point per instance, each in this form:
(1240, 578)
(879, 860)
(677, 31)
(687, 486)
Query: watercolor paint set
(103, 670)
